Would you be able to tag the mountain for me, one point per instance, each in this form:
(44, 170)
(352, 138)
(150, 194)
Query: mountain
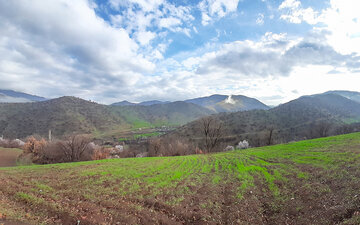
(215, 103)
(305, 117)
(352, 95)
(68, 115)
(14, 97)
(146, 103)
(123, 103)
(231, 103)
(153, 102)
(332, 104)
(63, 115)
(173, 113)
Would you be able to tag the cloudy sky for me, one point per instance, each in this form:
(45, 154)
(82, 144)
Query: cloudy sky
(112, 50)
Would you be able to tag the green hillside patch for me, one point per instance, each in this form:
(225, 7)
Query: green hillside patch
(307, 182)
(147, 135)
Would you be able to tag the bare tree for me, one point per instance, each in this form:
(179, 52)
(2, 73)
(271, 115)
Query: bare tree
(270, 136)
(74, 147)
(321, 129)
(344, 129)
(155, 147)
(212, 130)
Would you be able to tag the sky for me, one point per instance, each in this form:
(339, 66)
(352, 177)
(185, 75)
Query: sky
(138, 50)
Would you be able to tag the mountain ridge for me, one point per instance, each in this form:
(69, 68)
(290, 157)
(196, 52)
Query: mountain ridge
(216, 103)
(66, 115)
(10, 96)
(306, 117)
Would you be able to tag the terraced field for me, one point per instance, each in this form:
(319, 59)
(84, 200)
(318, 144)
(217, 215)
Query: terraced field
(307, 182)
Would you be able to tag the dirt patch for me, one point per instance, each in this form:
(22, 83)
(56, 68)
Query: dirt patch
(8, 156)
(4, 222)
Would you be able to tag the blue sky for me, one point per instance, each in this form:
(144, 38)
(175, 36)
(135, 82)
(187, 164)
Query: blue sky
(137, 50)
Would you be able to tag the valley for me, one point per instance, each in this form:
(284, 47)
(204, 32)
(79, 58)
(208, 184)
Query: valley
(169, 112)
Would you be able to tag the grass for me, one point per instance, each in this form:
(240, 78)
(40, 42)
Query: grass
(139, 136)
(146, 135)
(273, 179)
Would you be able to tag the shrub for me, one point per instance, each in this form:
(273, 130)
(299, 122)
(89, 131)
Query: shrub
(243, 145)
(229, 148)
(6, 143)
(35, 147)
(170, 147)
(76, 148)
(100, 153)
(33, 150)
(156, 147)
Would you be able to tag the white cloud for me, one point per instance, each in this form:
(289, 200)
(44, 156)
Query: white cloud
(169, 22)
(295, 13)
(145, 5)
(260, 19)
(141, 16)
(215, 9)
(292, 4)
(63, 45)
(273, 56)
(274, 64)
(145, 37)
(342, 20)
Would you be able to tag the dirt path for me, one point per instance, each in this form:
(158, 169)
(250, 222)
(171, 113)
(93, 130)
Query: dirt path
(8, 156)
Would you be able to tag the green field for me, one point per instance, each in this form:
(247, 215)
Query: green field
(147, 135)
(307, 182)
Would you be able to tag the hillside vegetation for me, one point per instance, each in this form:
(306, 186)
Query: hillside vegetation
(67, 115)
(214, 103)
(306, 117)
(174, 113)
(225, 103)
(62, 115)
(307, 182)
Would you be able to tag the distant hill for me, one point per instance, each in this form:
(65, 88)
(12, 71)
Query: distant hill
(66, 115)
(153, 102)
(123, 103)
(13, 97)
(305, 117)
(296, 119)
(352, 95)
(215, 103)
(332, 104)
(62, 115)
(173, 113)
(146, 103)
(232, 103)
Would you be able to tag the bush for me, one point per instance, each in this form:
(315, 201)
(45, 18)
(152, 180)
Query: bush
(76, 148)
(100, 153)
(51, 154)
(170, 147)
(229, 148)
(6, 143)
(35, 147)
(243, 145)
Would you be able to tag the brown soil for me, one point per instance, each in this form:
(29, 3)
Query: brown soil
(8, 157)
